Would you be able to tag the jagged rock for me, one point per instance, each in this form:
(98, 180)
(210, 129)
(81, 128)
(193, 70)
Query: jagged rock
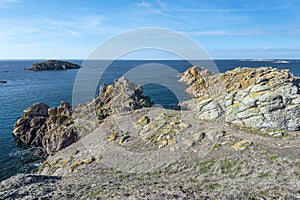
(122, 96)
(31, 128)
(197, 77)
(193, 74)
(38, 125)
(56, 128)
(254, 97)
(53, 65)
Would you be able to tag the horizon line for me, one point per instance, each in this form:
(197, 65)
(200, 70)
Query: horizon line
(158, 59)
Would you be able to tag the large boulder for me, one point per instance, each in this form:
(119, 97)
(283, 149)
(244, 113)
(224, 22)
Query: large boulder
(254, 97)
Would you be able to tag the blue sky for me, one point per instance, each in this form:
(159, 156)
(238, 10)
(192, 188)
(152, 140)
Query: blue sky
(225, 28)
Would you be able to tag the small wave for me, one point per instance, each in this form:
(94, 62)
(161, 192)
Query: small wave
(20, 152)
(261, 60)
(281, 62)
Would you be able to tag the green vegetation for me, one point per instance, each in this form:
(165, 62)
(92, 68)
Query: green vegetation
(172, 169)
(193, 179)
(211, 186)
(206, 166)
(229, 167)
(217, 146)
(264, 193)
(264, 175)
(272, 158)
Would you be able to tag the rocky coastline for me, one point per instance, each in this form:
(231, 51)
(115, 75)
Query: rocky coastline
(237, 139)
(53, 65)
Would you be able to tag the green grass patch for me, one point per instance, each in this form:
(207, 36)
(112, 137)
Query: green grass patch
(206, 166)
(272, 158)
(264, 175)
(96, 193)
(217, 146)
(194, 180)
(229, 167)
(211, 186)
(278, 163)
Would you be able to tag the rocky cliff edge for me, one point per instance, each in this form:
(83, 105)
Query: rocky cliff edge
(265, 97)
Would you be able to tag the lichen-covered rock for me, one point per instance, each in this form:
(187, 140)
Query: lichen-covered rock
(209, 109)
(254, 97)
(268, 107)
(242, 145)
(122, 96)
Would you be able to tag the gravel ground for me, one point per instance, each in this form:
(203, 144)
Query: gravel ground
(199, 161)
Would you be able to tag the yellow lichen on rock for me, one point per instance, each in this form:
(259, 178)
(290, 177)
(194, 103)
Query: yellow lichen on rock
(81, 162)
(170, 141)
(75, 165)
(143, 121)
(255, 94)
(112, 137)
(236, 104)
(90, 160)
(242, 145)
(65, 162)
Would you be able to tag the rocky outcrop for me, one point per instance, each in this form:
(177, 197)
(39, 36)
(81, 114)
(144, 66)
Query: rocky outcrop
(253, 97)
(38, 122)
(31, 128)
(53, 65)
(58, 127)
(122, 96)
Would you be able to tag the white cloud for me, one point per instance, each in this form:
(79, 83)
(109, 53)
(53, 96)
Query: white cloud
(143, 4)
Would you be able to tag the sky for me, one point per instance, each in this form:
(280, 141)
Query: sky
(226, 29)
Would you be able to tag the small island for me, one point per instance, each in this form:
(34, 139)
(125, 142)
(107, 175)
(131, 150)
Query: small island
(53, 65)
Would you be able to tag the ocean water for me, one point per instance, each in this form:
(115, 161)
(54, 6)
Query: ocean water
(23, 88)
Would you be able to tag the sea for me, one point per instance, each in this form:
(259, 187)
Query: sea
(24, 88)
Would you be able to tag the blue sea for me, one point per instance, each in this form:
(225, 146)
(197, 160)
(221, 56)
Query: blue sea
(23, 88)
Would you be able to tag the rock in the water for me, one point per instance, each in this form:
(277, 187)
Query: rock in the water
(254, 97)
(38, 123)
(122, 96)
(53, 65)
(31, 128)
